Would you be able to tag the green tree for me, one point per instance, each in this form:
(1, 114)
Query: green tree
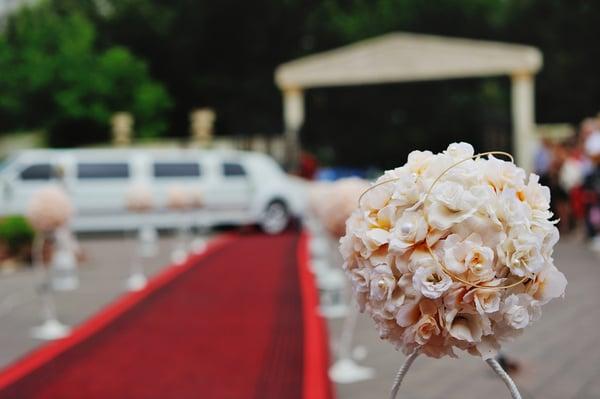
(54, 76)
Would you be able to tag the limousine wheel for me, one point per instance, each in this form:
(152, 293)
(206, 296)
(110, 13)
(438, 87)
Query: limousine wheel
(275, 218)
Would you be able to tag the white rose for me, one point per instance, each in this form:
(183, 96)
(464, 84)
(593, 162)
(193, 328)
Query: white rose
(377, 197)
(484, 224)
(469, 256)
(536, 195)
(450, 204)
(409, 230)
(465, 326)
(372, 240)
(418, 161)
(509, 210)
(521, 252)
(360, 279)
(550, 283)
(425, 328)
(408, 313)
(383, 283)
(431, 281)
(406, 192)
(385, 217)
(501, 174)
(460, 151)
(486, 300)
(514, 314)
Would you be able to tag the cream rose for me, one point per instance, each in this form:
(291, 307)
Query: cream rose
(464, 326)
(514, 314)
(549, 284)
(383, 283)
(521, 252)
(431, 281)
(425, 328)
(469, 256)
(501, 174)
(410, 229)
(450, 204)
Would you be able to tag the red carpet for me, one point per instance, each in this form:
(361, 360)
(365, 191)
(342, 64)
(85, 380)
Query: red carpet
(238, 323)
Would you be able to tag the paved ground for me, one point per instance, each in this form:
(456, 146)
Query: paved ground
(560, 354)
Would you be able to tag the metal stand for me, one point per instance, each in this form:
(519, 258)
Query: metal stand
(64, 261)
(345, 370)
(331, 281)
(493, 363)
(51, 328)
(180, 251)
(147, 238)
(198, 244)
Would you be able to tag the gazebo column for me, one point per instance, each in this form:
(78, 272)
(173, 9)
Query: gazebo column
(523, 115)
(293, 118)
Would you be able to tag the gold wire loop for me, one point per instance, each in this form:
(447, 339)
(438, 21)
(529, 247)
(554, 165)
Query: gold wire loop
(435, 182)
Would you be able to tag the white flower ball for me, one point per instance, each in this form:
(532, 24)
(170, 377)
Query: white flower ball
(463, 261)
(49, 208)
(139, 198)
(178, 198)
(334, 202)
(196, 197)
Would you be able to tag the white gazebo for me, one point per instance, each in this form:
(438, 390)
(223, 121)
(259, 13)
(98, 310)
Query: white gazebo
(403, 57)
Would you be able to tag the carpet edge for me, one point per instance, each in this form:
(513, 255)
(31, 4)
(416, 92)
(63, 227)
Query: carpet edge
(316, 383)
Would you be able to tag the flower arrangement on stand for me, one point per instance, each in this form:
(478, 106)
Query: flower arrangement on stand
(140, 201)
(330, 280)
(49, 210)
(198, 244)
(179, 200)
(336, 206)
(453, 251)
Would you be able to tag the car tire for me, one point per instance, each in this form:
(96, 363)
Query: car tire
(275, 218)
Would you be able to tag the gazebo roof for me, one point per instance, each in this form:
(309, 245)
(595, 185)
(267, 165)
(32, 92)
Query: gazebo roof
(397, 57)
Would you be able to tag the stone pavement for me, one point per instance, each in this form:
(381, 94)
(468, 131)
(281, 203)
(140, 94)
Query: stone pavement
(102, 278)
(559, 354)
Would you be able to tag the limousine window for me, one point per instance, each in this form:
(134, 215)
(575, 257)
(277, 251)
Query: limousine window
(38, 171)
(97, 170)
(176, 169)
(232, 169)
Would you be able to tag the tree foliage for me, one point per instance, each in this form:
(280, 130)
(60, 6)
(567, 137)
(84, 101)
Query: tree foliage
(53, 75)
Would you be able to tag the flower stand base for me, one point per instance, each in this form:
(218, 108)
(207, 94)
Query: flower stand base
(50, 330)
(136, 282)
(346, 371)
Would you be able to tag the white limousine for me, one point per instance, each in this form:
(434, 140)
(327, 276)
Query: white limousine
(237, 187)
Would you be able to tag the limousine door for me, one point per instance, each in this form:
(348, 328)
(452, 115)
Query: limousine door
(168, 172)
(232, 189)
(100, 187)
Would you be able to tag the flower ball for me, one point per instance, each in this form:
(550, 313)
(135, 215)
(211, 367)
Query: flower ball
(139, 198)
(196, 197)
(452, 251)
(49, 208)
(178, 198)
(339, 202)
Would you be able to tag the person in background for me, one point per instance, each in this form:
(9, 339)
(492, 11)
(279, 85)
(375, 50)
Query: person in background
(560, 197)
(592, 191)
(543, 157)
(571, 176)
